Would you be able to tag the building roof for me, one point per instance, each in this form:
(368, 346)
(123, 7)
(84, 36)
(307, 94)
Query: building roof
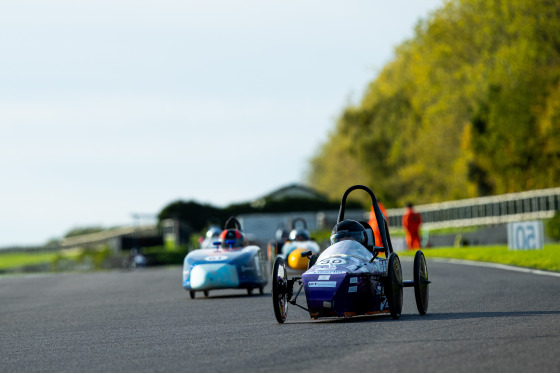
(290, 191)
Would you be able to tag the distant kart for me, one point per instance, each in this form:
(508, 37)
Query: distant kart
(212, 236)
(135, 260)
(298, 241)
(275, 246)
(348, 278)
(231, 264)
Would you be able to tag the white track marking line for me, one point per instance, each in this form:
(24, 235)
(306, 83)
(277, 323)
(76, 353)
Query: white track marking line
(492, 265)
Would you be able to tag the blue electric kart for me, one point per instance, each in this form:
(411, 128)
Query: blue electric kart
(233, 263)
(349, 278)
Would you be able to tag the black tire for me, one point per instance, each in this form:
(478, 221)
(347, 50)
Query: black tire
(206, 293)
(421, 283)
(280, 290)
(193, 294)
(261, 290)
(249, 291)
(393, 286)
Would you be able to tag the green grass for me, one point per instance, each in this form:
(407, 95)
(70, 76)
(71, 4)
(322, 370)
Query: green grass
(84, 259)
(544, 259)
(17, 260)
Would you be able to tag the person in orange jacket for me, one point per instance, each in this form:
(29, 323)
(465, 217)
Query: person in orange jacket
(411, 222)
(373, 223)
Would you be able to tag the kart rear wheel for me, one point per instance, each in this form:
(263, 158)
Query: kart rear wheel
(193, 294)
(421, 283)
(261, 290)
(280, 290)
(394, 286)
(206, 293)
(249, 291)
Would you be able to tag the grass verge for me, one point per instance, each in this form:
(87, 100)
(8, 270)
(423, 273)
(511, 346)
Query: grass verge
(542, 259)
(17, 260)
(83, 259)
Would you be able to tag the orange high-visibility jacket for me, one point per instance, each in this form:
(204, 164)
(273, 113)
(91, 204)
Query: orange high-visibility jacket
(373, 223)
(411, 220)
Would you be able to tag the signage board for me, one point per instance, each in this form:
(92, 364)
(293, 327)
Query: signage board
(525, 235)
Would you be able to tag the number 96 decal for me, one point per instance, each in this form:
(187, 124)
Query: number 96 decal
(332, 261)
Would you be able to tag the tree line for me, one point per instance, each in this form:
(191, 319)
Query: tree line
(199, 216)
(470, 106)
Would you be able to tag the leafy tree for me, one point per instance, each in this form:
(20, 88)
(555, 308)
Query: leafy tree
(553, 227)
(196, 215)
(468, 107)
(199, 216)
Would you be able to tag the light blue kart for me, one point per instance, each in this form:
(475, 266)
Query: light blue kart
(233, 263)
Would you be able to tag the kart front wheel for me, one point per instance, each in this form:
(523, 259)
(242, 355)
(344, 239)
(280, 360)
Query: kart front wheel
(280, 290)
(394, 286)
(421, 283)
(193, 294)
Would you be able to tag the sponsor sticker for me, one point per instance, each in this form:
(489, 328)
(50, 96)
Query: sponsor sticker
(382, 265)
(324, 277)
(332, 261)
(353, 289)
(353, 280)
(327, 272)
(215, 258)
(330, 284)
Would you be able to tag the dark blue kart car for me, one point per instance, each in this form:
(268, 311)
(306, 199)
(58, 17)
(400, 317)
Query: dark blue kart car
(349, 278)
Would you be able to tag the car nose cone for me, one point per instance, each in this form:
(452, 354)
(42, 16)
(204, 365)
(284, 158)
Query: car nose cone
(208, 276)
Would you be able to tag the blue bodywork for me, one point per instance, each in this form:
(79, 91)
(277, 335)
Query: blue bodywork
(345, 282)
(348, 278)
(208, 269)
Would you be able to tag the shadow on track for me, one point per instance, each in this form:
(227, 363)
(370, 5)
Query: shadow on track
(238, 296)
(357, 319)
(384, 318)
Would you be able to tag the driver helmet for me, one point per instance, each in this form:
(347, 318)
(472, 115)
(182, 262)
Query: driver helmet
(281, 235)
(299, 235)
(232, 238)
(349, 230)
(213, 232)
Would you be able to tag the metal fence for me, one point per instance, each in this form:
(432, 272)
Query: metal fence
(522, 206)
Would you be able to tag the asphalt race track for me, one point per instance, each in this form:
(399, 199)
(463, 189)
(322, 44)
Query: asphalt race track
(479, 320)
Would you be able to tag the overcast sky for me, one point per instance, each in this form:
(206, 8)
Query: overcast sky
(109, 108)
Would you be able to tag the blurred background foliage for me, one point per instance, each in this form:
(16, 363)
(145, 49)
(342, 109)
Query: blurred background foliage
(470, 106)
(199, 216)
